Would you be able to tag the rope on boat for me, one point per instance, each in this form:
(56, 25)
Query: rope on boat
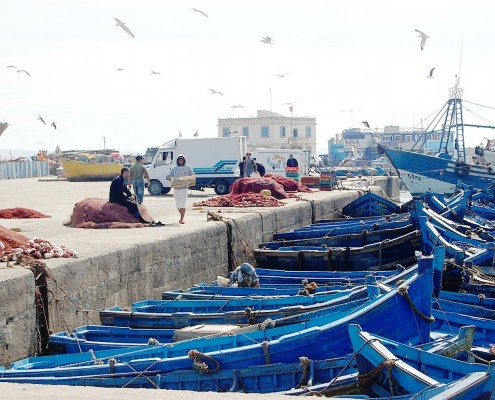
(405, 294)
(96, 361)
(200, 365)
(266, 352)
(305, 364)
(250, 315)
(153, 342)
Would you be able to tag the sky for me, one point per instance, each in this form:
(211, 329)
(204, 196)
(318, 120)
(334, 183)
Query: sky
(346, 61)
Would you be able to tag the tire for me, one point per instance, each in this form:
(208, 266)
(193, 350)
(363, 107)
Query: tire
(461, 170)
(221, 187)
(155, 188)
(166, 190)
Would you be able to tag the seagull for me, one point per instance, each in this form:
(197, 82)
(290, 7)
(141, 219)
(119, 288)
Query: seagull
(123, 26)
(41, 119)
(195, 10)
(19, 70)
(54, 125)
(196, 133)
(236, 106)
(282, 75)
(215, 92)
(366, 124)
(267, 40)
(180, 134)
(423, 37)
(155, 73)
(431, 73)
(119, 69)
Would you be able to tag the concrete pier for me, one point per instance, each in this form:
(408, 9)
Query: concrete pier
(120, 266)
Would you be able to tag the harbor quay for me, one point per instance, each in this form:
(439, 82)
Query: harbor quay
(121, 266)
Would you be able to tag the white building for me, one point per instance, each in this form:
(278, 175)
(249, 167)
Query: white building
(271, 130)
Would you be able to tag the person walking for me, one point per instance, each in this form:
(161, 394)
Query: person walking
(138, 174)
(249, 165)
(180, 192)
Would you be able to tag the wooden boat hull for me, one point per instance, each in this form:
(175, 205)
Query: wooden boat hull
(370, 204)
(79, 171)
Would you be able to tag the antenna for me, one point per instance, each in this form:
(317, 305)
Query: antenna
(458, 76)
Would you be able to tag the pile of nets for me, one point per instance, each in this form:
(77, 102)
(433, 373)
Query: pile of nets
(94, 213)
(13, 244)
(289, 184)
(19, 212)
(241, 200)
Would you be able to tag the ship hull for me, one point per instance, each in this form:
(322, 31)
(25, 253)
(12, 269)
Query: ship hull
(79, 171)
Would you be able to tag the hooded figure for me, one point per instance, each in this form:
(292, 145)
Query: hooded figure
(245, 276)
(180, 193)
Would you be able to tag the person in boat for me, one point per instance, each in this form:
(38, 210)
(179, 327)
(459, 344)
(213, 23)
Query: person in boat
(138, 174)
(244, 276)
(180, 193)
(120, 194)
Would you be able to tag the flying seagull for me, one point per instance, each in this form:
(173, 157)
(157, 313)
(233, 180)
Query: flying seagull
(282, 75)
(423, 37)
(366, 124)
(155, 73)
(123, 26)
(19, 70)
(215, 92)
(431, 73)
(236, 106)
(195, 10)
(196, 133)
(267, 40)
(54, 125)
(119, 69)
(41, 119)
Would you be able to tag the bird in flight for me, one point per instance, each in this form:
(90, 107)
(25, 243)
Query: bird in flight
(155, 73)
(282, 75)
(215, 92)
(366, 124)
(267, 40)
(196, 133)
(54, 125)
(236, 106)
(122, 25)
(423, 37)
(119, 69)
(195, 10)
(19, 70)
(41, 119)
(431, 73)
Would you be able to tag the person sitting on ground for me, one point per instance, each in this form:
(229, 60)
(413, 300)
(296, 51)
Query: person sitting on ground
(120, 194)
(244, 276)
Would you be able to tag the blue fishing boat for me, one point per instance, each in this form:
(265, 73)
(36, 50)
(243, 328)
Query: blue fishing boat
(268, 378)
(348, 240)
(370, 204)
(441, 172)
(414, 373)
(345, 228)
(383, 255)
(402, 313)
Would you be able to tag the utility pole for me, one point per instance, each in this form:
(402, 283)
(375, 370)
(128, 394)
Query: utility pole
(104, 143)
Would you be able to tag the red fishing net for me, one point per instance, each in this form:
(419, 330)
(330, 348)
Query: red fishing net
(241, 200)
(97, 213)
(19, 212)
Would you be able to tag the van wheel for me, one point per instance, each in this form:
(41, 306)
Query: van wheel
(165, 190)
(155, 188)
(221, 187)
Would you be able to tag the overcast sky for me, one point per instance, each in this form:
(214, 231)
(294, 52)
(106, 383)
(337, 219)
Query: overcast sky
(339, 55)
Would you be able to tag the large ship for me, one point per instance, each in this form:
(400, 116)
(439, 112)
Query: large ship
(441, 172)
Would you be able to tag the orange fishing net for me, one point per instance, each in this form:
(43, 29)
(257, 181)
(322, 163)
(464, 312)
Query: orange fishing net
(19, 212)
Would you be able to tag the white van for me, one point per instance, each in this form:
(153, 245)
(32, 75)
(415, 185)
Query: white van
(214, 161)
(275, 160)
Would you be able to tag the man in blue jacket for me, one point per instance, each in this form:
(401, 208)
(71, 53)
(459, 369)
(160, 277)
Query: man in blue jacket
(120, 194)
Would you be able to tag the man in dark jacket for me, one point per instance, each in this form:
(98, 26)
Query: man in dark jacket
(120, 194)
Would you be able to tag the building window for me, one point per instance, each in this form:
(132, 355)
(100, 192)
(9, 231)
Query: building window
(282, 131)
(408, 138)
(386, 138)
(295, 132)
(398, 138)
(308, 131)
(245, 131)
(265, 132)
(226, 131)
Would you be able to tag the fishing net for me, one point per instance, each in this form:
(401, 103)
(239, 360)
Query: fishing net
(19, 212)
(241, 200)
(11, 239)
(256, 185)
(94, 213)
(289, 184)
